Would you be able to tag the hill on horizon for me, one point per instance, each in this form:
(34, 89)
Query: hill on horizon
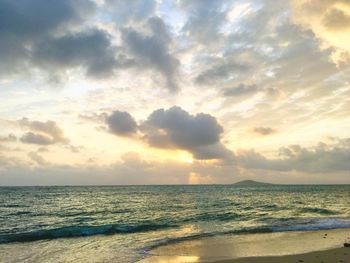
(251, 183)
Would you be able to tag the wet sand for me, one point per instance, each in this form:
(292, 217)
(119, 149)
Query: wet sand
(311, 246)
(328, 256)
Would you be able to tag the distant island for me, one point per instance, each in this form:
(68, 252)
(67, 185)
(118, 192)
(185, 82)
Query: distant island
(251, 183)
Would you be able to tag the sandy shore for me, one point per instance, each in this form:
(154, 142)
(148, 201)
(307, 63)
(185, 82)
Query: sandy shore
(312, 246)
(327, 256)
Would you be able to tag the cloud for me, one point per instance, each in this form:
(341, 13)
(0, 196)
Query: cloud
(55, 38)
(42, 133)
(75, 149)
(204, 21)
(130, 170)
(121, 123)
(94, 117)
(175, 128)
(329, 20)
(62, 36)
(199, 134)
(130, 11)
(223, 70)
(336, 19)
(8, 162)
(9, 138)
(42, 150)
(264, 130)
(239, 90)
(212, 151)
(25, 23)
(267, 48)
(245, 60)
(323, 158)
(37, 158)
(91, 50)
(37, 138)
(153, 50)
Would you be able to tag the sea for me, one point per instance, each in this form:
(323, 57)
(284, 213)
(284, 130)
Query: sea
(124, 223)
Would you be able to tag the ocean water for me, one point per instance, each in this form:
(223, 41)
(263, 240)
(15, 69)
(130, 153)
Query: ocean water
(122, 223)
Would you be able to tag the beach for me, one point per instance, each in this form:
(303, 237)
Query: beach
(301, 246)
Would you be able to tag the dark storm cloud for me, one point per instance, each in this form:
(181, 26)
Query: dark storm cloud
(42, 133)
(24, 23)
(121, 123)
(264, 130)
(323, 158)
(175, 128)
(153, 50)
(241, 89)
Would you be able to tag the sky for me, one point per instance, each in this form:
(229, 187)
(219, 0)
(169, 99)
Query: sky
(174, 91)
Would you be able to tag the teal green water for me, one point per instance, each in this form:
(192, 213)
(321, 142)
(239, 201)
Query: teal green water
(124, 222)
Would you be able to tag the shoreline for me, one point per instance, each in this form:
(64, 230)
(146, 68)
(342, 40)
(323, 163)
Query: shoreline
(293, 246)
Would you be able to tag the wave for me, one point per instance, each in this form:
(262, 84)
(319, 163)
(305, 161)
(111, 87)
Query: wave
(211, 216)
(19, 213)
(317, 224)
(80, 231)
(317, 210)
(12, 205)
(169, 241)
(83, 231)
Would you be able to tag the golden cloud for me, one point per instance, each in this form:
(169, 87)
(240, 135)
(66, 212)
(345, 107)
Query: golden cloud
(329, 20)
